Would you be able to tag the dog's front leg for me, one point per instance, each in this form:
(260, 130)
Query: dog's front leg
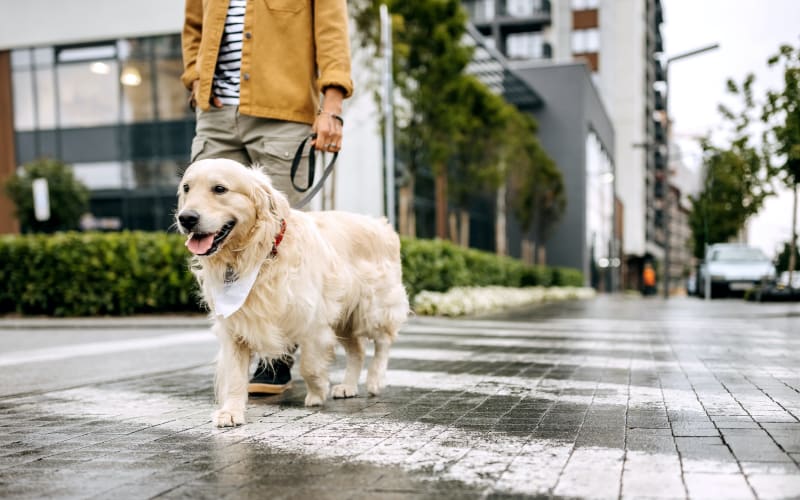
(233, 362)
(315, 356)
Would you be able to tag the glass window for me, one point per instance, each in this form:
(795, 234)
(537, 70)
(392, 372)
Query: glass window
(585, 4)
(103, 175)
(521, 8)
(171, 94)
(585, 41)
(22, 93)
(21, 58)
(88, 93)
(88, 53)
(43, 56)
(137, 92)
(525, 46)
(157, 173)
(45, 98)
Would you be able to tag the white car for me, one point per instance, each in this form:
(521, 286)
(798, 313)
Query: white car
(734, 267)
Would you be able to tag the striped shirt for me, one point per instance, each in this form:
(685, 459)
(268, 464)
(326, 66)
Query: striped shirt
(229, 60)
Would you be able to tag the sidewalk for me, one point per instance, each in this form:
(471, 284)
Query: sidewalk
(602, 400)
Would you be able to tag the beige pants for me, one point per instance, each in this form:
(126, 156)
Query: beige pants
(272, 144)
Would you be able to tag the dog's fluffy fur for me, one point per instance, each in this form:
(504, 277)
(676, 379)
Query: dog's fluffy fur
(336, 277)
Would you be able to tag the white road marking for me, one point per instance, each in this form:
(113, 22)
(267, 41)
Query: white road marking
(110, 347)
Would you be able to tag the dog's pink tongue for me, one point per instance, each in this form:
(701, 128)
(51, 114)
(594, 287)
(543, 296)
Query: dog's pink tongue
(199, 246)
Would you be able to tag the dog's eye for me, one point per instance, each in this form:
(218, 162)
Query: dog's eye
(218, 189)
(185, 188)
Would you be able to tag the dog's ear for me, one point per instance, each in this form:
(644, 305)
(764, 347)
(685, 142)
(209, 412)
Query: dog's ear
(266, 198)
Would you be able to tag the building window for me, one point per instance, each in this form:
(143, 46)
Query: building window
(585, 4)
(525, 45)
(585, 41)
(599, 205)
(523, 8)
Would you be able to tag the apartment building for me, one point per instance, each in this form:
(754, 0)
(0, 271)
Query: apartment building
(619, 40)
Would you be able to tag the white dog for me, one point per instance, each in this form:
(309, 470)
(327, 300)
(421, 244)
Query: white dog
(274, 278)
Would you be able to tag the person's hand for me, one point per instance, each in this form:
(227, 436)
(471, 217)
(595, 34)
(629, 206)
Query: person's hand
(328, 125)
(196, 91)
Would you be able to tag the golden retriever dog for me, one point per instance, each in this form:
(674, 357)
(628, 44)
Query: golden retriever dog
(317, 278)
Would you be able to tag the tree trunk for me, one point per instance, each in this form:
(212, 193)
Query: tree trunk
(452, 225)
(405, 209)
(463, 223)
(541, 258)
(527, 251)
(500, 238)
(793, 243)
(441, 204)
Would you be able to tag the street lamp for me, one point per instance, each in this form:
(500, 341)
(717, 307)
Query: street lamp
(668, 192)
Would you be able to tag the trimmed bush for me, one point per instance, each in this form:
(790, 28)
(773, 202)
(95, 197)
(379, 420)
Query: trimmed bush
(87, 274)
(437, 266)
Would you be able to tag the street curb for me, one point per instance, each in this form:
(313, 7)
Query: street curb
(130, 322)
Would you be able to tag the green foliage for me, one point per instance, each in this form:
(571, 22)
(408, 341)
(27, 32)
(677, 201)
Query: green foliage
(429, 61)
(737, 176)
(536, 194)
(69, 198)
(82, 274)
(782, 116)
(477, 163)
(438, 265)
(89, 274)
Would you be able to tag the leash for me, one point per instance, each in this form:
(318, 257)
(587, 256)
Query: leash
(312, 164)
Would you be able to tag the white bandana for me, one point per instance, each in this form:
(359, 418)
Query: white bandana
(231, 295)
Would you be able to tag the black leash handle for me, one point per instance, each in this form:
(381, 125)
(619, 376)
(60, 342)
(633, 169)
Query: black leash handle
(312, 168)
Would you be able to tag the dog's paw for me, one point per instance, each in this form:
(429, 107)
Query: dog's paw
(344, 391)
(374, 388)
(227, 418)
(314, 399)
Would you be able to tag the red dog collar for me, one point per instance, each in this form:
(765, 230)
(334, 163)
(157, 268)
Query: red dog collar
(278, 239)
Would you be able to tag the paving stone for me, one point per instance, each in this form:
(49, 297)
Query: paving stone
(602, 403)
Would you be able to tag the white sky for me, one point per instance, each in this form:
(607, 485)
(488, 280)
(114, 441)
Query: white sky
(748, 31)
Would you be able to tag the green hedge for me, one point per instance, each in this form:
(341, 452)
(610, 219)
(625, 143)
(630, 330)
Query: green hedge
(80, 274)
(437, 266)
(83, 274)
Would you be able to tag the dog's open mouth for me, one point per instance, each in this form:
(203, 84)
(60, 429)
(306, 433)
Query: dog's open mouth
(207, 243)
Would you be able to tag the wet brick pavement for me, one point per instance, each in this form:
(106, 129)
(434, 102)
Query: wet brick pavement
(610, 399)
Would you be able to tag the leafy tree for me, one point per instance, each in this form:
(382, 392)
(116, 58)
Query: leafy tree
(737, 176)
(782, 116)
(476, 165)
(69, 198)
(537, 196)
(721, 209)
(429, 61)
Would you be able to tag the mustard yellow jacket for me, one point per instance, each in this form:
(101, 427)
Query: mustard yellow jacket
(291, 51)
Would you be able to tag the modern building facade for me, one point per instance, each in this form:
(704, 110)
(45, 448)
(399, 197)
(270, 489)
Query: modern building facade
(577, 132)
(619, 40)
(104, 95)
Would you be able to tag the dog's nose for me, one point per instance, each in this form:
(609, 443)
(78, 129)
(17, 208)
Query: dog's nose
(188, 219)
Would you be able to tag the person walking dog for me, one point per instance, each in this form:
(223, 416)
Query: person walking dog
(263, 75)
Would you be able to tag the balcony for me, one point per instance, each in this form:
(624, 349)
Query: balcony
(660, 102)
(660, 134)
(661, 75)
(482, 12)
(524, 9)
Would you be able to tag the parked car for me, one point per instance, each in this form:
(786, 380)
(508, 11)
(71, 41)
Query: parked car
(784, 279)
(734, 267)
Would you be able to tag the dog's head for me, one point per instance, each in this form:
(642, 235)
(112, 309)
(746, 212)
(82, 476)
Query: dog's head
(222, 203)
